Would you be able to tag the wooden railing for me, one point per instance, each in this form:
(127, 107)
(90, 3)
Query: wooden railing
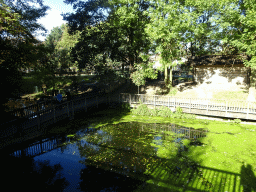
(39, 120)
(31, 109)
(34, 117)
(212, 107)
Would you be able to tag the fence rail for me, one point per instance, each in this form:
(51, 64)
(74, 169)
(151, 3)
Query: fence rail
(37, 122)
(212, 107)
(37, 117)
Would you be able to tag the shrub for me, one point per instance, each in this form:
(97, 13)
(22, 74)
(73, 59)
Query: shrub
(236, 121)
(126, 106)
(142, 110)
(164, 112)
(190, 116)
(179, 110)
(178, 115)
(154, 112)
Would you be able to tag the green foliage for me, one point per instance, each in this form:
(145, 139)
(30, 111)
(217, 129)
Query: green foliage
(138, 78)
(19, 47)
(126, 107)
(115, 41)
(154, 112)
(142, 72)
(179, 110)
(173, 91)
(57, 59)
(164, 112)
(236, 121)
(142, 110)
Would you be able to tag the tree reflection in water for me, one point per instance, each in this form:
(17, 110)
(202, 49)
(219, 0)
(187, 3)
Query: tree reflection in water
(127, 152)
(29, 175)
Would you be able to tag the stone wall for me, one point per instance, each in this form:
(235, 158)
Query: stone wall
(222, 75)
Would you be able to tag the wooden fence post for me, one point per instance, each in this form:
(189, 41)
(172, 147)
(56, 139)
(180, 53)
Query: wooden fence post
(130, 99)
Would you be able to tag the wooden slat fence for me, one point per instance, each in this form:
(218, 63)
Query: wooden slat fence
(212, 107)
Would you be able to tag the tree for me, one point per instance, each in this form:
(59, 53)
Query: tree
(179, 29)
(57, 59)
(46, 67)
(54, 37)
(237, 31)
(142, 72)
(19, 47)
(64, 47)
(113, 41)
(87, 13)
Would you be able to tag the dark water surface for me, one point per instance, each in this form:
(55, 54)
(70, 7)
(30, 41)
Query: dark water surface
(111, 158)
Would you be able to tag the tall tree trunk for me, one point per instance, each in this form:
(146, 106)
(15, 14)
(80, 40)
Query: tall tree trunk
(170, 78)
(166, 75)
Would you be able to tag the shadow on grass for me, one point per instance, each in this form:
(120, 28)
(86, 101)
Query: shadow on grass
(248, 179)
(201, 178)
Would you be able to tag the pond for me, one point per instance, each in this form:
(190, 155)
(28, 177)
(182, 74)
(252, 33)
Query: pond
(115, 157)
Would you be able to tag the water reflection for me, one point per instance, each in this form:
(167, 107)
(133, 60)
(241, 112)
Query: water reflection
(28, 174)
(121, 155)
